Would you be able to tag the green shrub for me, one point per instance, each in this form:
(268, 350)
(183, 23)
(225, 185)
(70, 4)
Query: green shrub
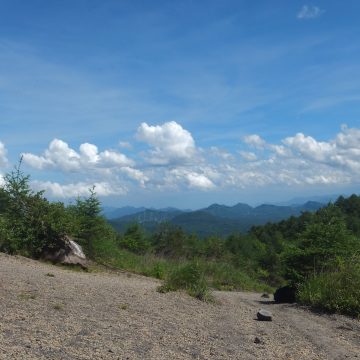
(225, 276)
(335, 291)
(158, 270)
(189, 277)
(134, 240)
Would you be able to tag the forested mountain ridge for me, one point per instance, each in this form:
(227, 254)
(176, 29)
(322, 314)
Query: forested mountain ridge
(220, 220)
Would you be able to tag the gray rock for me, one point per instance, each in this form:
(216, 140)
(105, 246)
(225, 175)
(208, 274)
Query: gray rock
(67, 252)
(264, 315)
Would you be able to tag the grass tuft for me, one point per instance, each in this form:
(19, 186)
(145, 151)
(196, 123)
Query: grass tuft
(189, 277)
(58, 307)
(27, 296)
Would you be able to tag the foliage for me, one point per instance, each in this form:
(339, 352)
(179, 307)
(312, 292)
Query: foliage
(189, 277)
(134, 240)
(226, 276)
(322, 241)
(89, 224)
(170, 241)
(334, 290)
(350, 207)
(29, 223)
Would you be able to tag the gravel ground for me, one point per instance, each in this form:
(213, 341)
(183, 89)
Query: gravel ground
(49, 312)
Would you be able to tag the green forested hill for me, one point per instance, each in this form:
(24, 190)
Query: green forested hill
(219, 220)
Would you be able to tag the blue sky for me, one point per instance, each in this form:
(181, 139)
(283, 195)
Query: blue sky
(182, 103)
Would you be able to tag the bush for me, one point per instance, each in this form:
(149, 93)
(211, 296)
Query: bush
(225, 276)
(158, 270)
(335, 291)
(188, 277)
(29, 223)
(134, 240)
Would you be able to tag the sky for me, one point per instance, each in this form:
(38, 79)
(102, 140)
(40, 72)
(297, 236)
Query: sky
(181, 103)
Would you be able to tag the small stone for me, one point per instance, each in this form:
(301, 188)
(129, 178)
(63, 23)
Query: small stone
(257, 341)
(265, 295)
(264, 315)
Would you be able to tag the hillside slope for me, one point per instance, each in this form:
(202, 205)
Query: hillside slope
(73, 315)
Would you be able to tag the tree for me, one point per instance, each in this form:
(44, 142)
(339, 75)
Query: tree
(170, 241)
(90, 224)
(323, 241)
(134, 239)
(28, 221)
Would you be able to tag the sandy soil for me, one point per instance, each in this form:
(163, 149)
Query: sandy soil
(75, 315)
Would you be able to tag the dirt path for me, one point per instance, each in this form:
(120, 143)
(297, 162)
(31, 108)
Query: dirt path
(73, 315)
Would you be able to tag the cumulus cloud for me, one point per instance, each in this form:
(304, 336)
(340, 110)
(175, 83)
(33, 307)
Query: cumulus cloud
(255, 141)
(309, 147)
(3, 151)
(348, 138)
(296, 160)
(301, 159)
(221, 153)
(248, 155)
(135, 174)
(60, 156)
(77, 189)
(191, 178)
(171, 143)
(199, 181)
(309, 12)
(343, 151)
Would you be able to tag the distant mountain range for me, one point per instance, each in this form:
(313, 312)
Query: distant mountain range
(216, 219)
(324, 199)
(114, 213)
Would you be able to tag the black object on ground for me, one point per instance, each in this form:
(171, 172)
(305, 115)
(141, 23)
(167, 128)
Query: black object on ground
(285, 294)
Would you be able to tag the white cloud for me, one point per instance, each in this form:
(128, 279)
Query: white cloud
(342, 152)
(326, 179)
(298, 160)
(3, 151)
(135, 174)
(221, 153)
(87, 161)
(255, 141)
(199, 181)
(248, 156)
(348, 138)
(191, 178)
(309, 147)
(60, 156)
(57, 190)
(309, 12)
(170, 142)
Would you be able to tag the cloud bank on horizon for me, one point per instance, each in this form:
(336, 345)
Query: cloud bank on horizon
(170, 160)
